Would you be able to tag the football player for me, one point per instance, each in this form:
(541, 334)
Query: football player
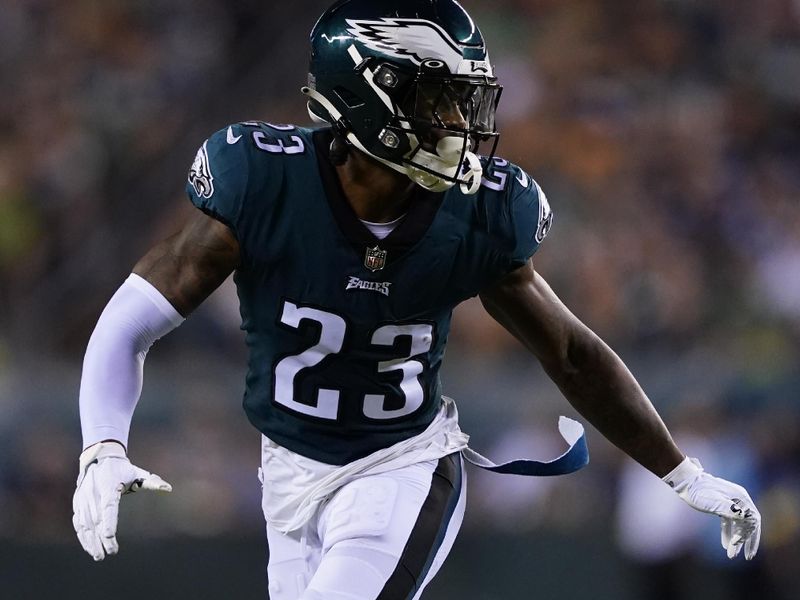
(350, 246)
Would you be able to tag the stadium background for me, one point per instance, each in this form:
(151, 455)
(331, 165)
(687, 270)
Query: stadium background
(667, 136)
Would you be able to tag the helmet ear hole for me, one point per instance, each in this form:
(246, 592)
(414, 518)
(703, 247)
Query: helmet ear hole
(350, 99)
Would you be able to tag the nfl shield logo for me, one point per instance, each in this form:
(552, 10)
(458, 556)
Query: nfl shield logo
(375, 259)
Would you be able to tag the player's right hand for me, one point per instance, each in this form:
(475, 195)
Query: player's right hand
(105, 475)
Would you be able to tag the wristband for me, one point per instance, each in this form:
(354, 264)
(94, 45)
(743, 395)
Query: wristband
(686, 471)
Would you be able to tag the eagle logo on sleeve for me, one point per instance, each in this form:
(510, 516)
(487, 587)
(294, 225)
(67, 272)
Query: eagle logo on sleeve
(545, 216)
(200, 174)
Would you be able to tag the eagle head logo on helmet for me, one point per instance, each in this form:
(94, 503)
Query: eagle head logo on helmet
(410, 84)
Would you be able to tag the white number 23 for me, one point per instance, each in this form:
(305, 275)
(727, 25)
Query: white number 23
(331, 340)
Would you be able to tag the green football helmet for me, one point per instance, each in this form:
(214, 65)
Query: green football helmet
(408, 82)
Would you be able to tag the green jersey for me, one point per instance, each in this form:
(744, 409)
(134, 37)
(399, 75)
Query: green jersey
(346, 332)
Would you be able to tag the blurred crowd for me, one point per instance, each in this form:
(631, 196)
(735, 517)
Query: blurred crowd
(666, 134)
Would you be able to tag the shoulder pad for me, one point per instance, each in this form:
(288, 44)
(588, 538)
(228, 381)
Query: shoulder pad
(526, 214)
(271, 138)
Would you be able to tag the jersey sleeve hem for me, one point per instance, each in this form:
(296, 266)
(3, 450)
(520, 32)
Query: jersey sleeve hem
(217, 217)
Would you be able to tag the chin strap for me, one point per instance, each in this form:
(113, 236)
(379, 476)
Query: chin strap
(427, 180)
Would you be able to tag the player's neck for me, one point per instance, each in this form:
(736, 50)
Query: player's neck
(376, 193)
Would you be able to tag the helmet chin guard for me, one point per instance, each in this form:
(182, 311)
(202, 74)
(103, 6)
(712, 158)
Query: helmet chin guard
(450, 159)
(409, 84)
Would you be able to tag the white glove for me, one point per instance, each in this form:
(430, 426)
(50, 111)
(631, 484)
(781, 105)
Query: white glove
(741, 521)
(105, 474)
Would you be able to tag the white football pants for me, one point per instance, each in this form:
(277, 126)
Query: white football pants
(382, 537)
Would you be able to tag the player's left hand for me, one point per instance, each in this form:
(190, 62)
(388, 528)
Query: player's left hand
(741, 521)
(105, 475)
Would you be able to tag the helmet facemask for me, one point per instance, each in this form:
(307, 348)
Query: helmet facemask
(444, 117)
(436, 122)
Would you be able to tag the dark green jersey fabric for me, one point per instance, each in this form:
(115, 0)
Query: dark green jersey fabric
(345, 350)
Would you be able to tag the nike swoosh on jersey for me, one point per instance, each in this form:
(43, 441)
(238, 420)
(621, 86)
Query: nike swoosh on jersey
(232, 139)
(523, 179)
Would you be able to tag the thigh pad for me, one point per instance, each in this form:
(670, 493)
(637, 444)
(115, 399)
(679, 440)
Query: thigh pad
(362, 508)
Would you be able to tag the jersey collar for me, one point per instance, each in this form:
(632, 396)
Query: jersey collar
(421, 213)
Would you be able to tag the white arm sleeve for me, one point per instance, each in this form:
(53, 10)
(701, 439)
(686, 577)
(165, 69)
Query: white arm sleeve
(135, 317)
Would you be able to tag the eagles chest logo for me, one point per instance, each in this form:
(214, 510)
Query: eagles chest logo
(375, 259)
